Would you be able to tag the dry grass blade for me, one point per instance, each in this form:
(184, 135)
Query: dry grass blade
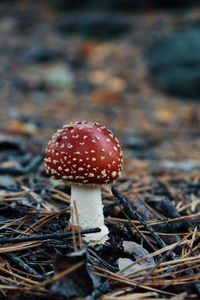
(153, 277)
(57, 276)
(178, 281)
(15, 275)
(4, 278)
(78, 223)
(151, 280)
(11, 199)
(129, 282)
(155, 253)
(31, 285)
(169, 265)
(146, 276)
(130, 296)
(153, 222)
(148, 240)
(60, 198)
(59, 195)
(19, 247)
(45, 212)
(37, 225)
(73, 231)
(22, 193)
(9, 287)
(9, 224)
(15, 270)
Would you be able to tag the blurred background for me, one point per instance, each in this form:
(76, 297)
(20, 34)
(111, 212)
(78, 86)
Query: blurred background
(132, 65)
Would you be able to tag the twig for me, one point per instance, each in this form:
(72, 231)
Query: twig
(19, 170)
(56, 235)
(73, 231)
(21, 264)
(131, 210)
(138, 231)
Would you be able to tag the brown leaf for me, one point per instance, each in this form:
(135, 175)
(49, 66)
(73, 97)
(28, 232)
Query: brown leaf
(105, 97)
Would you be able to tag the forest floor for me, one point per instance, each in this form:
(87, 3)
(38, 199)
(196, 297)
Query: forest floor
(107, 82)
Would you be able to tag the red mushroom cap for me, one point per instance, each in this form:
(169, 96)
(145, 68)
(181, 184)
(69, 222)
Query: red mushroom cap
(84, 152)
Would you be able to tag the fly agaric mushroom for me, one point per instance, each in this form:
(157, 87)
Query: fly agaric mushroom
(86, 155)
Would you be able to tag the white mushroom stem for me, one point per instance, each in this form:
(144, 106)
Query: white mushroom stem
(87, 212)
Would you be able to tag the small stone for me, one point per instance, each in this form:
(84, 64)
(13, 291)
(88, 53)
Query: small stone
(59, 76)
(39, 54)
(174, 62)
(93, 26)
(139, 142)
(8, 183)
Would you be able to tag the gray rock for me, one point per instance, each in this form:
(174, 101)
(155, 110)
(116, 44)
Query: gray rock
(59, 76)
(39, 54)
(139, 142)
(174, 62)
(121, 5)
(8, 183)
(93, 25)
(137, 252)
(185, 165)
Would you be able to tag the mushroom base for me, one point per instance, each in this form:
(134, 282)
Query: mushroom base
(87, 212)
